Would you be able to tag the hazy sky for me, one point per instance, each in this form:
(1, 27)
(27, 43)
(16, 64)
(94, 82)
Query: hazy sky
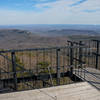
(49, 12)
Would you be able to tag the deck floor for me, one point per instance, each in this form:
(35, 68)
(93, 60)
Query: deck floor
(77, 91)
(89, 75)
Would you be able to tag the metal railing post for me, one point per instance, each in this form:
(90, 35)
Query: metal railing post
(14, 69)
(71, 58)
(58, 65)
(97, 52)
(80, 57)
(80, 53)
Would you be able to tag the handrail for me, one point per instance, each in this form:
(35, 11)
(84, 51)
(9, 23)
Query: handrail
(35, 49)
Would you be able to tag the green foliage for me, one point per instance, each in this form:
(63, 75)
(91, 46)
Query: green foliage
(23, 74)
(1, 49)
(43, 66)
(20, 74)
(19, 63)
(29, 54)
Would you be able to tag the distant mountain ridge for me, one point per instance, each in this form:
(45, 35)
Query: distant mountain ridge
(45, 27)
(30, 36)
(14, 38)
(73, 32)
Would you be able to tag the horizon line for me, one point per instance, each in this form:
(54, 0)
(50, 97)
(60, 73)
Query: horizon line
(43, 24)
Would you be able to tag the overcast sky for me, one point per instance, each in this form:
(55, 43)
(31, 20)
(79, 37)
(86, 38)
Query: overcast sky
(49, 12)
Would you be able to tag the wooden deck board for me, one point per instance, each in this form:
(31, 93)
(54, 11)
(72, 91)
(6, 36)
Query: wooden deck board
(77, 91)
(90, 75)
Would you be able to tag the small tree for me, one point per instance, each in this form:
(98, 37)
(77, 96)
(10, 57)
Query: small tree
(44, 67)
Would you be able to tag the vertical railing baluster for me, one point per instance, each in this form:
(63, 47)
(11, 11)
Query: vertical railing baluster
(97, 52)
(37, 61)
(80, 53)
(71, 58)
(80, 57)
(58, 65)
(14, 69)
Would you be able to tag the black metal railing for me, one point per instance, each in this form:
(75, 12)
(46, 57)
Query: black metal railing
(44, 67)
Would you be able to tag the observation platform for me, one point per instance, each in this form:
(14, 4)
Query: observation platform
(76, 91)
(90, 75)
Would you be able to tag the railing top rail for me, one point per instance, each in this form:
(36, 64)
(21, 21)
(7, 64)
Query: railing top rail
(77, 43)
(34, 49)
(96, 40)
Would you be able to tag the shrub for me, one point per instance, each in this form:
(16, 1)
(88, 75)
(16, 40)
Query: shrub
(43, 66)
